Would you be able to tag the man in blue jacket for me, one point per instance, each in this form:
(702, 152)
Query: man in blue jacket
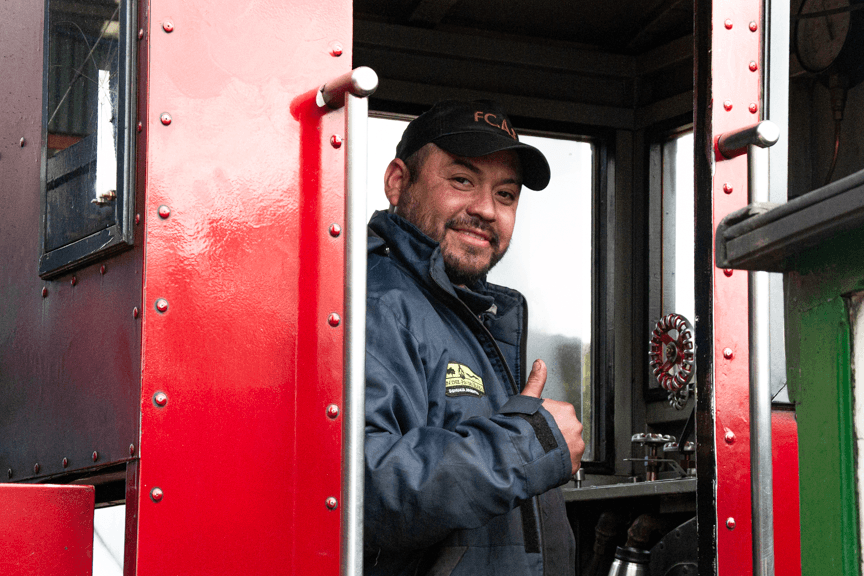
(463, 463)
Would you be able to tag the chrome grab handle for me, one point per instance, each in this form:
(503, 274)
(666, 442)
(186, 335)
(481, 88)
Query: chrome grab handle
(755, 140)
(350, 90)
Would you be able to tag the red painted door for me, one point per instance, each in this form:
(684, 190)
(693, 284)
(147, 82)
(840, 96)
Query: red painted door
(238, 455)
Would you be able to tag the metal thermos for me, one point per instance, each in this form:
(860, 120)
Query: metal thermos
(630, 562)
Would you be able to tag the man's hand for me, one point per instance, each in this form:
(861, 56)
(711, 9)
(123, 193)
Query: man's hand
(563, 413)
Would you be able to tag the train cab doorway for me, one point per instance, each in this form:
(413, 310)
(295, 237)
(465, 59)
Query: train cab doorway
(625, 91)
(644, 86)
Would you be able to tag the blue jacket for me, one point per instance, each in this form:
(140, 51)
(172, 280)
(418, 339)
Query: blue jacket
(461, 471)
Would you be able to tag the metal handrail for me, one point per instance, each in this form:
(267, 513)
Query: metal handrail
(756, 139)
(350, 90)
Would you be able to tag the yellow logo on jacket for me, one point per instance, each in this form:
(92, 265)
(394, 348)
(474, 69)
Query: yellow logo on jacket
(461, 381)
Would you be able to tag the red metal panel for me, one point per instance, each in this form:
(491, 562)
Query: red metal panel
(242, 266)
(736, 90)
(787, 518)
(46, 530)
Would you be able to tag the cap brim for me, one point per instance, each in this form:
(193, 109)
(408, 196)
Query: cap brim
(535, 168)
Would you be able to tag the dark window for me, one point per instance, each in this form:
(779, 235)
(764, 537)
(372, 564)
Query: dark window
(88, 81)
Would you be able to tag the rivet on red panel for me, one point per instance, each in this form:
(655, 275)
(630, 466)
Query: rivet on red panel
(331, 503)
(332, 411)
(102, 269)
(164, 211)
(135, 312)
(162, 305)
(334, 319)
(160, 399)
(168, 26)
(727, 353)
(44, 292)
(753, 108)
(156, 494)
(336, 49)
(727, 271)
(137, 219)
(727, 105)
(727, 188)
(336, 141)
(335, 230)
(74, 281)
(140, 34)
(730, 523)
(165, 117)
(728, 24)
(753, 27)
(752, 66)
(65, 462)
(131, 449)
(140, 127)
(95, 456)
(729, 437)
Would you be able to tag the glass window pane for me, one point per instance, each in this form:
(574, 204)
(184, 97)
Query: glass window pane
(558, 289)
(88, 82)
(671, 247)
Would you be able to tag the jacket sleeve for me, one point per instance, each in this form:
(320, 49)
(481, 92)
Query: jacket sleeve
(422, 482)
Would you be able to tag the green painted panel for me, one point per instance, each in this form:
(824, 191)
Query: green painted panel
(818, 369)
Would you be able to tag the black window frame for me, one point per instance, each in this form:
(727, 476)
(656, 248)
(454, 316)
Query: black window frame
(120, 235)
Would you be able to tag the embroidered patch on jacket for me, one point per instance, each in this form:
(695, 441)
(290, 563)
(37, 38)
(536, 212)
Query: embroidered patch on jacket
(461, 381)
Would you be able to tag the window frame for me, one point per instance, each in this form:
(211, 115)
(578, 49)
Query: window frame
(120, 235)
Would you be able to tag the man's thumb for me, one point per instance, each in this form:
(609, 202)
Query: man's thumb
(536, 380)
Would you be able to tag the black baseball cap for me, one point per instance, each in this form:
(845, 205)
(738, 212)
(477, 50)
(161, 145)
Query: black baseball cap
(473, 129)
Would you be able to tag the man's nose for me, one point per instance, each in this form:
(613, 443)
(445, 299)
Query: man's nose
(482, 205)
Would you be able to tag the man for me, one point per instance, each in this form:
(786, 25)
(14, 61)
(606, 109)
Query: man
(462, 467)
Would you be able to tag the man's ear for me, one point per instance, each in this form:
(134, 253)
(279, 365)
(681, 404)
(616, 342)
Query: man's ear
(395, 179)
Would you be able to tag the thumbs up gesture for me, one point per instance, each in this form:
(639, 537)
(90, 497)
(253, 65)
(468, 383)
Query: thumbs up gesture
(562, 412)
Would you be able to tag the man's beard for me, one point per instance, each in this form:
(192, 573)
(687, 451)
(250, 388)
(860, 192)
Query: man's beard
(460, 272)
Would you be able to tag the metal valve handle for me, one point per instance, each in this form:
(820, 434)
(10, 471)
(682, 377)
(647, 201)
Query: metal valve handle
(672, 359)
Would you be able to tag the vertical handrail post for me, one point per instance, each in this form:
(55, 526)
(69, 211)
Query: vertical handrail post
(351, 91)
(761, 467)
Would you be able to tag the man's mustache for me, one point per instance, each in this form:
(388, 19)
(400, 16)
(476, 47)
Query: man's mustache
(477, 224)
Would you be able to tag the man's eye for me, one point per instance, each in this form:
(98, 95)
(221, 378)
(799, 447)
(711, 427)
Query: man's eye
(461, 180)
(509, 196)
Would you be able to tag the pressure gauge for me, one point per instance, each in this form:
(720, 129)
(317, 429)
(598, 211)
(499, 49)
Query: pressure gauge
(819, 39)
(830, 32)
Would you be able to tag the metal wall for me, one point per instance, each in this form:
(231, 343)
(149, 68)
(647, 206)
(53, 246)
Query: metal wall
(69, 348)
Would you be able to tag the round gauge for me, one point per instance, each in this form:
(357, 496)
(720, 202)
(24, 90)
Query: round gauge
(821, 32)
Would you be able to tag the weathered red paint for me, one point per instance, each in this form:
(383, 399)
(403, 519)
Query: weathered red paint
(46, 529)
(243, 452)
(732, 49)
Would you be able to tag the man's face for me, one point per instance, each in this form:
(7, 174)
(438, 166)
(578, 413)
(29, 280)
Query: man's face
(468, 205)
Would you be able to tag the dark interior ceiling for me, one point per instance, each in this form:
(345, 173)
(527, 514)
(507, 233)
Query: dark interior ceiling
(587, 62)
(621, 27)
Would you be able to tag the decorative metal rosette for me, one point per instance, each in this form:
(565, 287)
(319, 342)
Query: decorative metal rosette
(672, 352)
